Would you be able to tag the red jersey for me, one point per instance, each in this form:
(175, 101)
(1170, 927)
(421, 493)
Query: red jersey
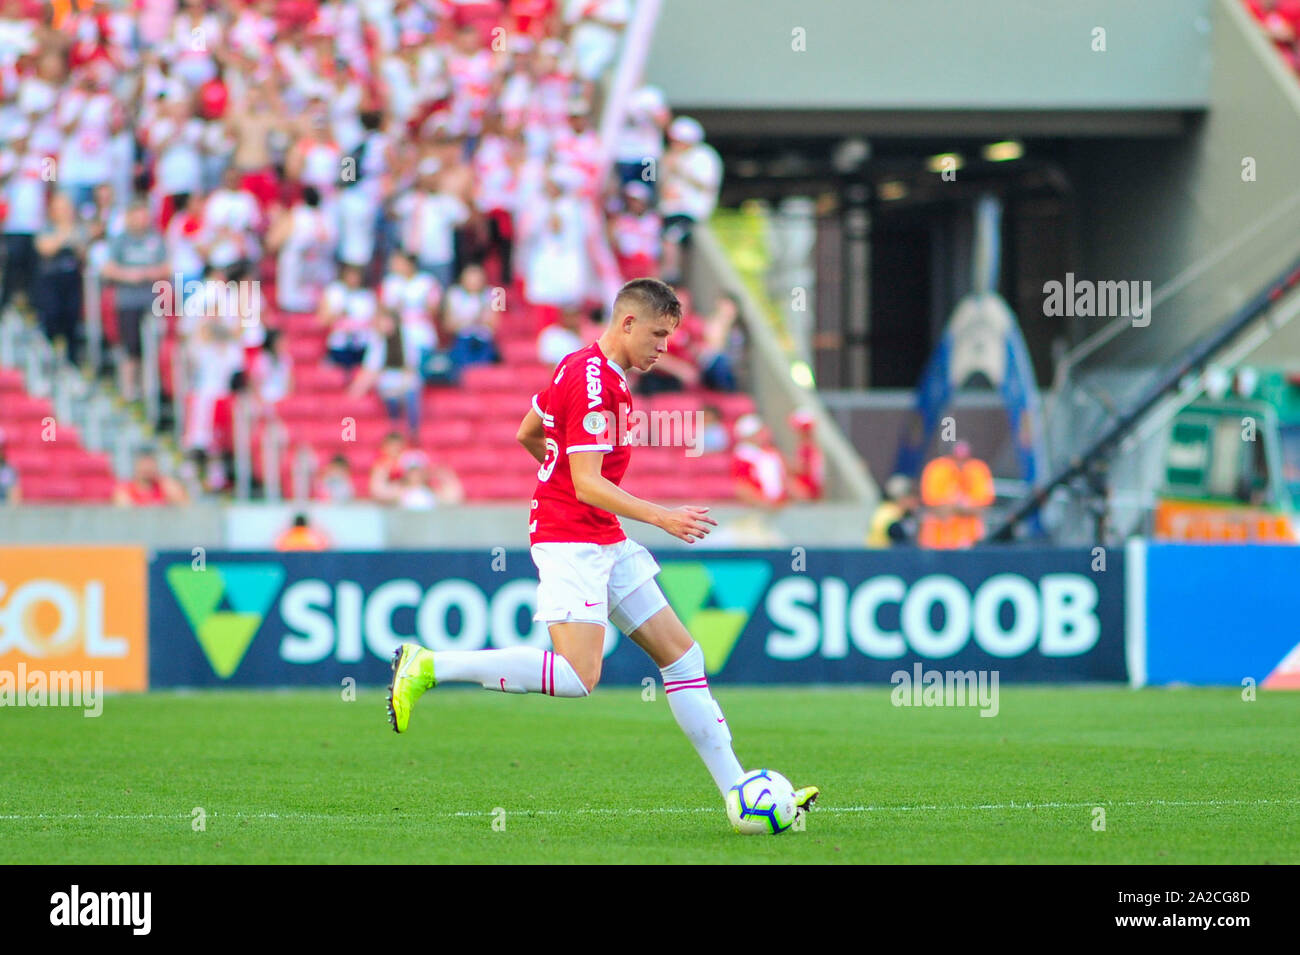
(581, 411)
(148, 496)
(812, 469)
(213, 99)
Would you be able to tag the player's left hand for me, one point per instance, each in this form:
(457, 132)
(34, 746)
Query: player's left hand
(688, 522)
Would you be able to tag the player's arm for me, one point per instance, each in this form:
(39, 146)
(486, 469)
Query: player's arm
(532, 435)
(688, 523)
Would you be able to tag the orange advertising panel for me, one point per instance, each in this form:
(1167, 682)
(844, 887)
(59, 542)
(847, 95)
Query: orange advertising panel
(75, 608)
(1196, 521)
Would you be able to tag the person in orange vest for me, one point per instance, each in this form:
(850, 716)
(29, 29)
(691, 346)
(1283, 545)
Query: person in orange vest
(955, 490)
(65, 8)
(301, 536)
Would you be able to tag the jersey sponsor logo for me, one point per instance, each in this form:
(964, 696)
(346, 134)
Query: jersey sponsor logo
(593, 381)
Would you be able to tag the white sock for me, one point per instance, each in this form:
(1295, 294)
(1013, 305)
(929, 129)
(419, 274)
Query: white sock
(700, 717)
(516, 670)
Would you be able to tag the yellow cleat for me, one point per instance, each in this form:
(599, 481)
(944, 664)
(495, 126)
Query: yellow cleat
(412, 675)
(805, 797)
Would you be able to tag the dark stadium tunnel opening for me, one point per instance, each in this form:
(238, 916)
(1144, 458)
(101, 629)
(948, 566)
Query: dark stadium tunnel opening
(918, 227)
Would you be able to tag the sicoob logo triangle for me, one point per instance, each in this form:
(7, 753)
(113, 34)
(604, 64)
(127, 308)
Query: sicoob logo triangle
(225, 635)
(715, 599)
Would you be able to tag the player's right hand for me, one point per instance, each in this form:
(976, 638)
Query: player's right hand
(688, 522)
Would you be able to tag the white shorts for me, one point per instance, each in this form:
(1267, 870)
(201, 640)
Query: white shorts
(590, 583)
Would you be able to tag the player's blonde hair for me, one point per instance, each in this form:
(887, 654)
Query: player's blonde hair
(648, 297)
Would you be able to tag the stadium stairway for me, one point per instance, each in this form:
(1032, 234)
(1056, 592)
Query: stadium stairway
(471, 427)
(52, 462)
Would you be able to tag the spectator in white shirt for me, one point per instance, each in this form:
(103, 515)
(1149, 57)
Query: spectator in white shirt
(23, 187)
(691, 175)
(639, 146)
(196, 35)
(17, 35)
(184, 235)
(468, 315)
(563, 338)
(431, 218)
(335, 483)
(349, 310)
(271, 372)
(636, 233)
(87, 118)
(214, 359)
(497, 162)
(232, 215)
(425, 486)
(576, 146)
(412, 298)
(554, 227)
(356, 211)
(315, 159)
(391, 366)
(109, 219)
(303, 239)
(176, 141)
(597, 25)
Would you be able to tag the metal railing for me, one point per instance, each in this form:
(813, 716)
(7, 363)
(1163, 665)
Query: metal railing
(1120, 462)
(93, 297)
(74, 400)
(1115, 369)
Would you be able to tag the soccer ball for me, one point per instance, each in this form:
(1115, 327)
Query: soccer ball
(761, 801)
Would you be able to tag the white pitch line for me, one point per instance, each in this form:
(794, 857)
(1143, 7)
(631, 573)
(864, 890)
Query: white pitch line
(609, 811)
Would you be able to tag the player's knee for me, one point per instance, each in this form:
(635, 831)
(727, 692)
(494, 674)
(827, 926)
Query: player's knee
(588, 673)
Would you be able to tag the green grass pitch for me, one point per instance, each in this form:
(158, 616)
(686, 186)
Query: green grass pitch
(1184, 776)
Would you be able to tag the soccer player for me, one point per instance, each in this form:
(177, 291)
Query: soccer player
(589, 571)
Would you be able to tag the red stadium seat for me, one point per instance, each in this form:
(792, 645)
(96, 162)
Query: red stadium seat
(453, 404)
(518, 351)
(313, 377)
(448, 432)
(306, 351)
(731, 404)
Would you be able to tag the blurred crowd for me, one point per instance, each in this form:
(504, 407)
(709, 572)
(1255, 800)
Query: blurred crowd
(382, 169)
